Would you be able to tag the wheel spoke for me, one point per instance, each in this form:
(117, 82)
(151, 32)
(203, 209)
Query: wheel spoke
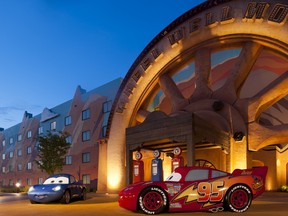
(202, 75)
(171, 91)
(247, 58)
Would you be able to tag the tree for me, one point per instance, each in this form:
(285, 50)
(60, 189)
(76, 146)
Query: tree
(52, 150)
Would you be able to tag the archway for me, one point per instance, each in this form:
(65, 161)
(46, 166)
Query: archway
(255, 35)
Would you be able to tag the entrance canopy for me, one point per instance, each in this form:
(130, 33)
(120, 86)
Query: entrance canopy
(164, 133)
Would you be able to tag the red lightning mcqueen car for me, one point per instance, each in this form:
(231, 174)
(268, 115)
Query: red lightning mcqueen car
(196, 189)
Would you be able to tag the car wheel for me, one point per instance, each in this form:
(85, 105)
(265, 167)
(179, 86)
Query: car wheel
(83, 194)
(33, 202)
(153, 200)
(238, 198)
(66, 197)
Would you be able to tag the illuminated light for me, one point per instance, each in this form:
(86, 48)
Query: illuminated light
(17, 184)
(57, 188)
(278, 163)
(114, 180)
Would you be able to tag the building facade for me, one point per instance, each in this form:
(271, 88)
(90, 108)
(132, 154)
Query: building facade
(213, 82)
(84, 118)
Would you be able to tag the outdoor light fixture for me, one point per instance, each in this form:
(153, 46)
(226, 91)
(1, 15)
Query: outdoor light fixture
(218, 105)
(238, 136)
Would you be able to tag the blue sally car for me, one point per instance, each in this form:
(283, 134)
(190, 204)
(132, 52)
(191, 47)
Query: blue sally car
(59, 187)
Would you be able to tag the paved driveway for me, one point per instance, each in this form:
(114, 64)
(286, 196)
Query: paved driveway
(270, 203)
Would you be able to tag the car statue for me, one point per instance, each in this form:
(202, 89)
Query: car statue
(59, 187)
(196, 189)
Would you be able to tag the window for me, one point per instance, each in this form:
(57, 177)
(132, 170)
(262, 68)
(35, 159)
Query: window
(106, 107)
(19, 167)
(86, 179)
(85, 136)
(216, 173)
(3, 156)
(195, 175)
(11, 183)
(104, 129)
(29, 134)
(69, 139)
(29, 150)
(11, 168)
(19, 152)
(40, 180)
(11, 140)
(29, 166)
(19, 137)
(72, 179)
(53, 125)
(3, 170)
(3, 143)
(68, 120)
(40, 130)
(11, 154)
(86, 157)
(68, 160)
(29, 182)
(85, 114)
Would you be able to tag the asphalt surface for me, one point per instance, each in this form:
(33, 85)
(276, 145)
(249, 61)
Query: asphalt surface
(270, 203)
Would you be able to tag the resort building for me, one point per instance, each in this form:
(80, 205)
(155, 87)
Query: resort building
(213, 84)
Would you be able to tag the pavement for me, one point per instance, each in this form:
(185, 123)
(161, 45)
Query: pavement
(270, 203)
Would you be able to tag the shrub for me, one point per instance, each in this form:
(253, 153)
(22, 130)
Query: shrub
(284, 188)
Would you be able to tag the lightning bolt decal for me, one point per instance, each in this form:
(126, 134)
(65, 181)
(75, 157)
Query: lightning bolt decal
(190, 193)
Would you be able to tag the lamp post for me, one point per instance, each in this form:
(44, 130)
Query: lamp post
(18, 187)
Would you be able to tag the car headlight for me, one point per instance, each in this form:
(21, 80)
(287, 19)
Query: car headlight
(31, 189)
(57, 188)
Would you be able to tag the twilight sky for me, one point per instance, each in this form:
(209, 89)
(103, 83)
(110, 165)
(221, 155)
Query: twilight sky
(48, 47)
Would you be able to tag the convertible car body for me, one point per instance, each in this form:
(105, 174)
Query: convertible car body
(196, 189)
(60, 187)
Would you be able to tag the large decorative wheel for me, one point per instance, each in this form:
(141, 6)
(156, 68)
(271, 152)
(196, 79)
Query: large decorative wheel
(224, 61)
(153, 200)
(204, 163)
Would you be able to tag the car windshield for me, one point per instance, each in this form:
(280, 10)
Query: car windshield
(57, 180)
(175, 177)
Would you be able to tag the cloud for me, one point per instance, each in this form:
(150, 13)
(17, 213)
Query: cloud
(12, 115)
(8, 109)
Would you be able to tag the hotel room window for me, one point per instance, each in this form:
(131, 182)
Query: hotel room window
(40, 130)
(68, 120)
(106, 107)
(29, 166)
(86, 114)
(19, 152)
(86, 179)
(86, 157)
(53, 126)
(29, 150)
(68, 160)
(19, 137)
(29, 134)
(85, 136)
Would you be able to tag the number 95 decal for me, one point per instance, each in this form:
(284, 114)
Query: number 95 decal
(210, 191)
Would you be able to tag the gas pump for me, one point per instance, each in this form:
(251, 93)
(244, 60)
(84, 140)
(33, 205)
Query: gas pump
(177, 160)
(156, 167)
(138, 168)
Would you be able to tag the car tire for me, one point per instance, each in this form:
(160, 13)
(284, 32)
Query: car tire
(238, 198)
(153, 200)
(66, 198)
(33, 202)
(83, 194)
